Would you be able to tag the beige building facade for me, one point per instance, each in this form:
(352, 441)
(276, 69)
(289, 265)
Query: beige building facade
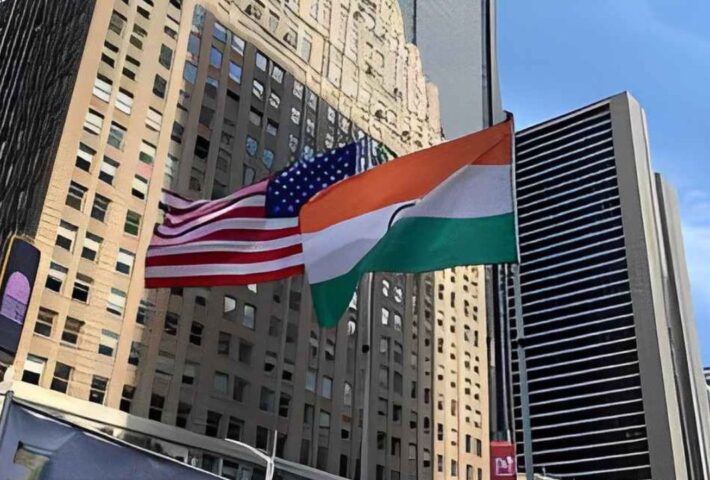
(202, 98)
(462, 432)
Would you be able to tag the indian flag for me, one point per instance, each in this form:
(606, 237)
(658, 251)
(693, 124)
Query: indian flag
(437, 208)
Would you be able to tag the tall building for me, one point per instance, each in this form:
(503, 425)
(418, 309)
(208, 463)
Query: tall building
(202, 98)
(457, 41)
(458, 49)
(41, 46)
(461, 443)
(611, 363)
(688, 370)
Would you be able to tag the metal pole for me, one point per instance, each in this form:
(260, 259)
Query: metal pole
(523, 374)
(279, 374)
(5, 414)
(519, 327)
(367, 352)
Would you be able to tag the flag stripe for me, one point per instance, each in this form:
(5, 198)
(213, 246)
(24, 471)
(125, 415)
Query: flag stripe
(420, 245)
(222, 280)
(222, 257)
(223, 269)
(225, 246)
(166, 230)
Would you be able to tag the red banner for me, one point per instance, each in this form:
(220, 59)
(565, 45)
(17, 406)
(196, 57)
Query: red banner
(502, 461)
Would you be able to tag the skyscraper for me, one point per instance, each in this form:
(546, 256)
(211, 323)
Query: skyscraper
(457, 42)
(203, 98)
(41, 46)
(607, 341)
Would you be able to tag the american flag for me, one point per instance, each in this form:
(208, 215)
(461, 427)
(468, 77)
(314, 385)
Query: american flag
(250, 236)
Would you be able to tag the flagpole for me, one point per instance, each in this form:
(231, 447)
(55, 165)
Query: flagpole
(520, 327)
(367, 352)
(279, 375)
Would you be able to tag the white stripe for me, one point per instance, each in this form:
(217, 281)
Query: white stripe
(474, 191)
(210, 270)
(173, 201)
(232, 223)
(255, 201)
(335, 250)
(226, 246)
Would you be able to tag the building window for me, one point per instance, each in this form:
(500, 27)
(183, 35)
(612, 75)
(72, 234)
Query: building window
(171, 323)
(224, 343)
(147, 153)
(326, 387)
(220, 33)
(33, 369)
(159, 86)
(72, 330)
(397, 322)
(90, 249)
(155, 412)
(235, 428)
(124, 101)
(397, 383)
(252, 146)
(267, 158)
(241, 390)
(100, 207)
(215, 57)
(166, 56)
(94, 122)
(221, 383)
(116, 302)
(153, 119)
(238, 44)
(213, 421)
(130, 68)
(56, 276)
(44, 322)
(75, 196)
(189, 372)
(385, 317)
(117, 23)
(196, 330)
(84, 157)
(266, 399)
(98, 389)
(116, 136)
(306, 46)
(190, 72)
(108, 343)
(398, 294)
(249, 316)
(385, 288)
(82, 288)
(347, 394)
(134, 356)
(108, 170)
(245, 350)
(66, 235)
(257, 89)
(62, 374)
(124, 261)
(132, 224)
(127, 398)
(235, 72)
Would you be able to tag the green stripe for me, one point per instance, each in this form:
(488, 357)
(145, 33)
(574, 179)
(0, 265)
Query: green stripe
(421, 244)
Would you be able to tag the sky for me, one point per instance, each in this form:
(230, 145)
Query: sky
(558, 55)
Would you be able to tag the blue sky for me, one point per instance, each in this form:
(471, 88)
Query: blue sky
(558, 55)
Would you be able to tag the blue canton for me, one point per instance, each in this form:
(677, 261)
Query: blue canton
(291, 188)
